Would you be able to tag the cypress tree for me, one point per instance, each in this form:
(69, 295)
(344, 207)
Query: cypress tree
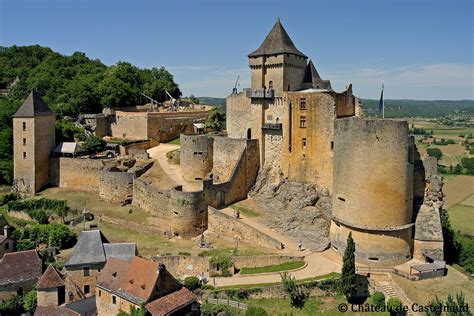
(347, 284)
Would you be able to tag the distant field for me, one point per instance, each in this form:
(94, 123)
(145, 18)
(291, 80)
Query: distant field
(458, 189)
(462, 218)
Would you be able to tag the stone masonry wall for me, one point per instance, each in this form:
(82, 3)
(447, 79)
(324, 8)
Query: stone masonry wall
(152, 200)
(224, 225)
(182, 266)
(196, 156)
(116, 186)
(76, 173)
(188, 210)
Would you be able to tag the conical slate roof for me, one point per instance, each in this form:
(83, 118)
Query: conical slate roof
(277, 42)
(311, 74)
(33, 106)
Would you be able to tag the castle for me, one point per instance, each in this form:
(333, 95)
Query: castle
(291, 122)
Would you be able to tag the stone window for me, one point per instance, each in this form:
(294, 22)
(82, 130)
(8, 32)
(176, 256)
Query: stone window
(269, 118)
(24, 141)
(87, 271)
(114, 299)
(373, 259)
(24, 126)
(24, 155)
(332, 145)
(341, 199)
(100, 293)
(302, 103)
(87, 289)
(304, 143)
(302, 121)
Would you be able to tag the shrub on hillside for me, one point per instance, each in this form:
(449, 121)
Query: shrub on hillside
(378, 299)
(191, 283)
(255, 311)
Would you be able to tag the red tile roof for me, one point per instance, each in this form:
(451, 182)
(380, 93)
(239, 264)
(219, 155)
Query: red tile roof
(20, 266)
(113, 274)
(51, 278)
(55, 311)
(171, 302)
(140, 278)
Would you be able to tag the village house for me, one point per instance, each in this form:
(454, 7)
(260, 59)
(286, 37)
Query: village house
(6, 244)
(19, 272)
(89, 257)
(123, 285)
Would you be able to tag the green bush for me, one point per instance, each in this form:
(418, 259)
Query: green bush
(11, 306)
(255, 311)
(191, 283)
(93, 144)
(395, 306)
(55, 235)
(29, 301)
(434, 152)
(298, 293)
(4, 199)
(378, 299)
(184, 253)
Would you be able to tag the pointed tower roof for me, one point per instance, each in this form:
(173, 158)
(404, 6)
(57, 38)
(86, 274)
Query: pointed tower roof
(277, 42)
(33, 106)
(51, 278)
(311, 74)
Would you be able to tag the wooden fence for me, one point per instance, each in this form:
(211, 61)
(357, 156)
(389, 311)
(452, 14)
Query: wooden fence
(220, 301)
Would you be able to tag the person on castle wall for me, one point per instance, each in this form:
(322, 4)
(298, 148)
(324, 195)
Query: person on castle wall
(237, 214)
(300, 246)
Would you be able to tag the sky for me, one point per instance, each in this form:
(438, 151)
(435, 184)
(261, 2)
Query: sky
(421, 49)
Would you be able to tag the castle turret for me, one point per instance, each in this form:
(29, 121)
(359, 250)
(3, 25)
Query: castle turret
(33, 141)
(277, 64)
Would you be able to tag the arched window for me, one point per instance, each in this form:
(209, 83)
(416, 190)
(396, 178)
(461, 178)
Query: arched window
(249, 134)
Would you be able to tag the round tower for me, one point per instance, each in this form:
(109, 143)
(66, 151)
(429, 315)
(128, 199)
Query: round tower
(189, 212)
(196, 156)
(373, 189)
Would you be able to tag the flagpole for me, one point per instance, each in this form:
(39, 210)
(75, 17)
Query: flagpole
(383, 102)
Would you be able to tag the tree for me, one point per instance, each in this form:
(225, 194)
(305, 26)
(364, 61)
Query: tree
(434, 152)
(298, 294)
(29, 301)
(194, 99)
(378, 299)
(347, 283)
(216, 120)
(395, 306)
(191, 282)
(93, 144)
(468, 163)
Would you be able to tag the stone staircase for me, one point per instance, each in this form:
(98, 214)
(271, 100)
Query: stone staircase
(390, 289)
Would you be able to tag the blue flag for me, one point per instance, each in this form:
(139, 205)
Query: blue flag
(381, 101)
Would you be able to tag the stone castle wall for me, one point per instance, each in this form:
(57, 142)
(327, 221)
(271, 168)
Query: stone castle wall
(76, 173)
(116, 186)
(182, 266)
(188, 212)
(223, 225)
(373, 189)
(196, 156)
(129, 125)
(151, 199)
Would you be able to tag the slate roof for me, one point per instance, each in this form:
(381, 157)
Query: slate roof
(311, 75)
(51, 278)
(124, 251)
(277, 42)
(171, 302)
(86, 306)
(88, 250)
(20, 266)
(33, 106)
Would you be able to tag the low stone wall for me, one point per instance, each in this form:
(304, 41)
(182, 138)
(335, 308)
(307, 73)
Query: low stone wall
(182, 266)
(116, 186)
(76, 173)
(224, 225)
(135, 149)
(262, 261)
(150, 199)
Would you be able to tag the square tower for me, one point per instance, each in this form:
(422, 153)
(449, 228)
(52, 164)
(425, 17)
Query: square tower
(33, 142)
(277, 64)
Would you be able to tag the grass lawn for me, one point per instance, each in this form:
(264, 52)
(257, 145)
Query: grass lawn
(462, 218)
(245, 210)
(423, 291)
(274, 268)
(176, 141)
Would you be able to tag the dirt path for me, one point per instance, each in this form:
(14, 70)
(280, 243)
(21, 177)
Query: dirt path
(317, 263)
(173, 171)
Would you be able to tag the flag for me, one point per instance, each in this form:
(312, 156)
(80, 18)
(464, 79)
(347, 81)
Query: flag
(381, 101)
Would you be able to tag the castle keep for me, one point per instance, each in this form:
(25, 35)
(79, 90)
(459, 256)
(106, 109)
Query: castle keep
(309, 133)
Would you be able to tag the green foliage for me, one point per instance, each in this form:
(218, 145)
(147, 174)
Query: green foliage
(29, 301)
(222, 263)
(193, 99)
(464, 247)
(191, 282)
(419, 131)
(444, 142)
(184, 253)
(67, 131)
(93, 144)
(378, 299)
(216, 120)
(4, 199)
(297, 293)
(468, 164)
(274, 268)
(450, 247)
(456, 307)
(11, 306)
(208, 309)
(394, 305)
(255, 311)
(434, 152)
(40, 209)
(241, 293)
(347, 283)
(55, 235)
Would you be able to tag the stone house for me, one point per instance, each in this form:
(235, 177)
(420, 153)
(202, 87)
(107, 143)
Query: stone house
(123, 285)
(51, 288)
(6, 244)
(89, 257)
(19, 272)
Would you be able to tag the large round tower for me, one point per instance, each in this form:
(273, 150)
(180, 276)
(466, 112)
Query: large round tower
(373, 190)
